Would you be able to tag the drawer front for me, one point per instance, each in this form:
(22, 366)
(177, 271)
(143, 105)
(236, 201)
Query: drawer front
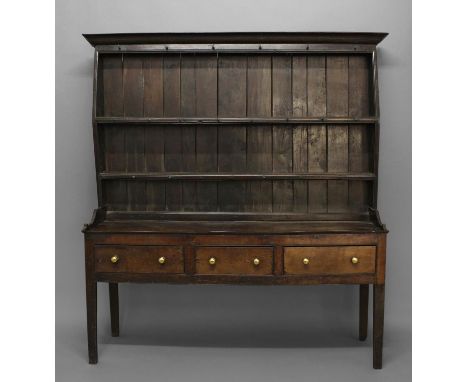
(329, 260)
(139, 259)
(234, 260)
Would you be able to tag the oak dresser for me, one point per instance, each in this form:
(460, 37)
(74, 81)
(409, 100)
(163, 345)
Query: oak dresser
(236, 158)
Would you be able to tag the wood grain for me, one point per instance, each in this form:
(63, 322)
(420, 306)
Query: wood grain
(329, 260)
(232, 102)
(133, 85)
(234, 260)
(258, 196)
(139, 259)
(112, 85)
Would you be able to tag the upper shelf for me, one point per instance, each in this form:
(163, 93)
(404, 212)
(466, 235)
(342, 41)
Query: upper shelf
(236, 38)
(231, 121)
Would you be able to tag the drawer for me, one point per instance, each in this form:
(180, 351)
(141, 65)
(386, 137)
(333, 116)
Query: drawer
(139, 259)
(329, 260)
(234, 260)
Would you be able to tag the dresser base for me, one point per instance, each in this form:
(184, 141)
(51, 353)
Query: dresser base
(249, 258)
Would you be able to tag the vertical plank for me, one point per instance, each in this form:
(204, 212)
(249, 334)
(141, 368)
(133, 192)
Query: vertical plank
(135, 149)
(283, 193)
(359, 75)
(337, 162)
(114, 143)
(207, 136)
(259, 138)
(259, 160)
(299, 109)
(317, 163)
(172, 134)
(153, 86)
(188, 103)
(206, 75)
(299, 86)
(155, 196)
(188, 106)
(282, 163)
(232, 158)
(154, 148)
(316, 86)
(115, 192)
(232, 102)
(337, 106)
(300, 165)
(134, 140)
(171, 91)
(136, 199)
(359, 139)
(232, 84)
(337, 148)
(360, 159)
(133, 85)
(337, 86)
(259, 86)
(154, 135)
(281, 85)
(115, 195)
(173, 163)
(112, 76)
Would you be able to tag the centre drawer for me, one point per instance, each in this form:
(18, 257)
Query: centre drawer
(329, 260)
(234, 260)
(139, 259)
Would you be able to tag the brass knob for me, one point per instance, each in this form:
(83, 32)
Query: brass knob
(354, 260)
(305, 261)
(256, 261)
(115, 259)
(212, 261)
(162, 260)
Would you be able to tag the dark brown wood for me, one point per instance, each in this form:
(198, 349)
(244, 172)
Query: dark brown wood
(363, 310)
(114, 308)
(237, 37)
(139, 259)
(91, 303)
(329, 260)
(234, 260)
(202, 120)
(254, 175)
(378, 324)
(255, 149)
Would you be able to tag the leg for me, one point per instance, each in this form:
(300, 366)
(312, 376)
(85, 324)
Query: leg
(91, 302)
(363, 314)
(379, 300)
(114, 308)
(91, 308)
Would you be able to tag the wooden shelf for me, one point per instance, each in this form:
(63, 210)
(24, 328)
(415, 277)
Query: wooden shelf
(231, 176)
(230, 121)
(236, 216)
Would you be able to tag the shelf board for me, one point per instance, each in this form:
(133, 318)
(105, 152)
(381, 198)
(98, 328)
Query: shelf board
(236, 216)
(231, 121)
(232, 176)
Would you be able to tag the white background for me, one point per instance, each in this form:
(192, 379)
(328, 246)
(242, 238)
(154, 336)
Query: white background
(28, 191)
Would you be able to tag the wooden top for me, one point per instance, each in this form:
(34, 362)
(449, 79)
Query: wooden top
(236, 38)
(109, 222)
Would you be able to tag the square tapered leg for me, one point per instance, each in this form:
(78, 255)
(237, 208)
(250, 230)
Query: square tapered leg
(379, 302)
(114, 308)
(363, 310)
